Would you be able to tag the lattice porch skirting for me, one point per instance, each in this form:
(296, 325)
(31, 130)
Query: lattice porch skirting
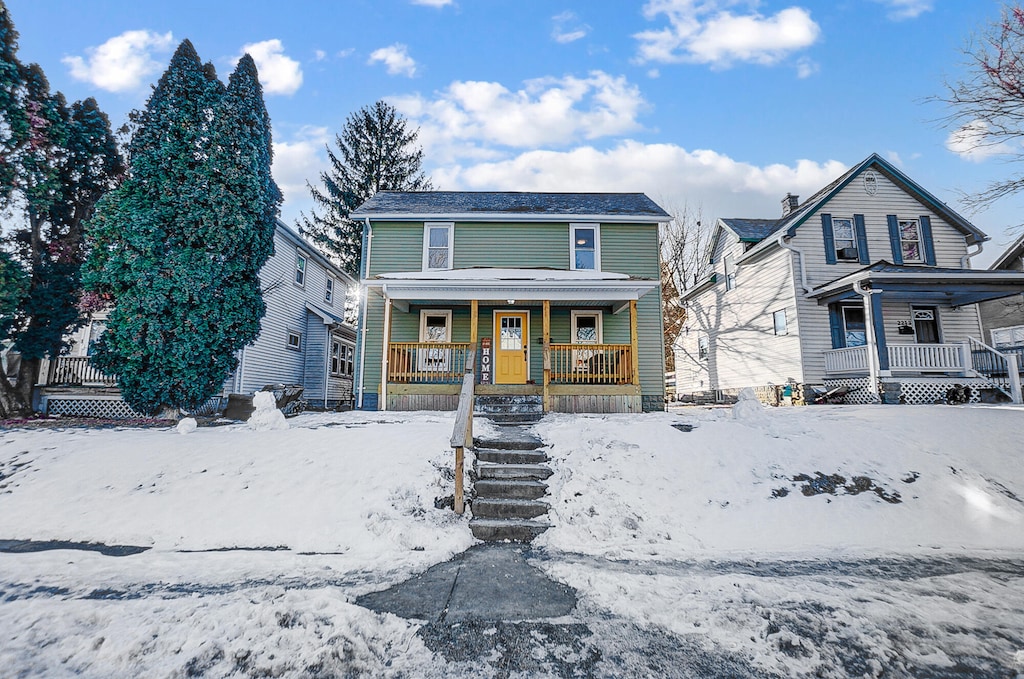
(913, 390)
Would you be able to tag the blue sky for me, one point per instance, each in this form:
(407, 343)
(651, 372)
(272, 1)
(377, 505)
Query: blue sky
(723, 104)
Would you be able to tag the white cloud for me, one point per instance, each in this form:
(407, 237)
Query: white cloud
(121, 63)
(907, 9)
(972, 142)
(319, 55)
(805, 67)
(701, 31)
(279, 74)
(723, 186)
(546, 111)
(297, 161)
(568, 28)
(433, 3)
(396, 58)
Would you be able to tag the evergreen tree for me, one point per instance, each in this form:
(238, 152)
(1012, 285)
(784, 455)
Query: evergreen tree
(179, 244)
(56, 162)
(375, 152)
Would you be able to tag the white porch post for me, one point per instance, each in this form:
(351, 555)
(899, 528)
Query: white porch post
(1014, 374)
(383, 405)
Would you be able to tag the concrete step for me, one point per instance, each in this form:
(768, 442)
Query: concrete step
(514, 530)
(512, 471)
(510, 489)
(514, 439)
(511, 456)
(513, 418)
(510, 408)
(492, 508)
(509, 399)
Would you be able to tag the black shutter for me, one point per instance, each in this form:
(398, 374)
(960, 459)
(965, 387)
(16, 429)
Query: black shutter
(894, 239)
(926, 240)
(862, 239)
(835, 324)
(830, 239)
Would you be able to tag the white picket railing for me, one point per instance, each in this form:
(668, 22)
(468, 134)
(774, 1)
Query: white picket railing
(849, 359)
(926, 357)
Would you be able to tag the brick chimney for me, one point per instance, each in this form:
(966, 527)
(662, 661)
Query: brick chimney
(789, 204)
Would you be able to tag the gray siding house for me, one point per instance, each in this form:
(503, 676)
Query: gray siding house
(865, 285)
(557, 295)
(1003, 319)
(303, 340)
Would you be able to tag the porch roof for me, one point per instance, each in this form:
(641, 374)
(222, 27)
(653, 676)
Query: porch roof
(521, 285)
(958, 287)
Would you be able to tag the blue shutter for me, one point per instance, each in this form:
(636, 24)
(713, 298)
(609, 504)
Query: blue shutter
(835, 324)
(894, 239)
(926, 240)
(862, 239)
(830, 239)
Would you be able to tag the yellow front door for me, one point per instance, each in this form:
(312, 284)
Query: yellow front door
(511, 348)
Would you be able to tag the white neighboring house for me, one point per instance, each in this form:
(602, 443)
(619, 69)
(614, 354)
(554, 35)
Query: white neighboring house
(865, 285)
(1003, 319)
(303, 339)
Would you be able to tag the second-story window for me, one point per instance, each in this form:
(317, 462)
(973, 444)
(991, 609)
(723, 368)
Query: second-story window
(845, 239)
(730, 272)
(437, 241)
(910, 240)
(585, 249)
(329, 291)
(300, 269)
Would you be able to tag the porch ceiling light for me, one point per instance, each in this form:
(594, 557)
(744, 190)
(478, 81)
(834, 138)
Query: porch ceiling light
(510, 301)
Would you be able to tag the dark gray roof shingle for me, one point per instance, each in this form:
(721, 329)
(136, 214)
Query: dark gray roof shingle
(510, 202)
(753, 230)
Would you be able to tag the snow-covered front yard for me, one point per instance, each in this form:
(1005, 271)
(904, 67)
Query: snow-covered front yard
(260, 541)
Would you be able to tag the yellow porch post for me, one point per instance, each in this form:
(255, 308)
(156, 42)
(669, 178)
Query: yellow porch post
(634, 341)
(547, 354)
(474, 319)
(385, 355)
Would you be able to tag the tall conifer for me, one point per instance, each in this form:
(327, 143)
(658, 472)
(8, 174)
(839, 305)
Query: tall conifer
(179, 245)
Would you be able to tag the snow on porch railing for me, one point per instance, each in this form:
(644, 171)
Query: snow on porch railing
(997, 366)
(462, 434)
(847, 360)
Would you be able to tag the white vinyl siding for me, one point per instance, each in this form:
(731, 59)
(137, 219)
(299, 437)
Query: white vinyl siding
(889, 199)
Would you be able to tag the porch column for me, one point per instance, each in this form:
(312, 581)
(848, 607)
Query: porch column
(546, 338)
(634, 342)
(383, 405)
(878, 327)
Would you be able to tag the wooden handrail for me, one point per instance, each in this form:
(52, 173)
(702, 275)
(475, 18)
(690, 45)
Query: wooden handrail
(462, 434)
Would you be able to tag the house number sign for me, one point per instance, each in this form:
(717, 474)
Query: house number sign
(485, 360)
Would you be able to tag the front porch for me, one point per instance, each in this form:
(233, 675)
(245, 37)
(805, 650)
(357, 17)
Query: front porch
(575, 343)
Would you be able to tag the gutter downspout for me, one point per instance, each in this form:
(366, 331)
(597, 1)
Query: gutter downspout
(327, 373)
(965, 261)
(383, 404)
(782, 241)
(362, 316)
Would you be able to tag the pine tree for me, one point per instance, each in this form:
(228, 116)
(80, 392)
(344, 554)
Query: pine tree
(377, 153)
(13, 119)
(179, 245)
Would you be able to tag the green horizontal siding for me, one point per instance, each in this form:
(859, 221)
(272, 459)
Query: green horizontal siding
(511, 245)
(396, 246)
(630, 249)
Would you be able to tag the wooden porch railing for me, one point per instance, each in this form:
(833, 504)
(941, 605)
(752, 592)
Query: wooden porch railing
(462, 434)
(591, 364)
(75, 370)
(428, 362)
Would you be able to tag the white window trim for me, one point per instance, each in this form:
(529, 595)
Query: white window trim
(339, 357)
(329, 288)
(305, 269)
(427, 226)
(729, 271)
(1010, 331)
(920, 240)
(853, 239)
(574, 314)
(707, 340)
(597, 245)
(785, 320)
(288, 343)
(447, 313)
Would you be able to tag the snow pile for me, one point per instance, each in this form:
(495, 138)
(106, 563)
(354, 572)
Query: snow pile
(908, 479)
(748, 409)
(266, 416)
(187, 425)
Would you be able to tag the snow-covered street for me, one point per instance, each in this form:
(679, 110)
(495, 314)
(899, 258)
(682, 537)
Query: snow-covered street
(693, 550)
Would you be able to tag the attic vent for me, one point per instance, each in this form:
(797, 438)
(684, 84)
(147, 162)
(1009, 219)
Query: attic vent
(789, 204)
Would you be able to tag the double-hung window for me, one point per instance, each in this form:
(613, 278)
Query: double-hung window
(845, 239)
(703, 347)
(329, 291)
(336, 357)
(730, 272)
(779, 322)
(437, 245)
(300, 269)
(585, 247)
(910, 240)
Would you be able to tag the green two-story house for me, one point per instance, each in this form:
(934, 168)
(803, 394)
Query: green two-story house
(554, 295)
